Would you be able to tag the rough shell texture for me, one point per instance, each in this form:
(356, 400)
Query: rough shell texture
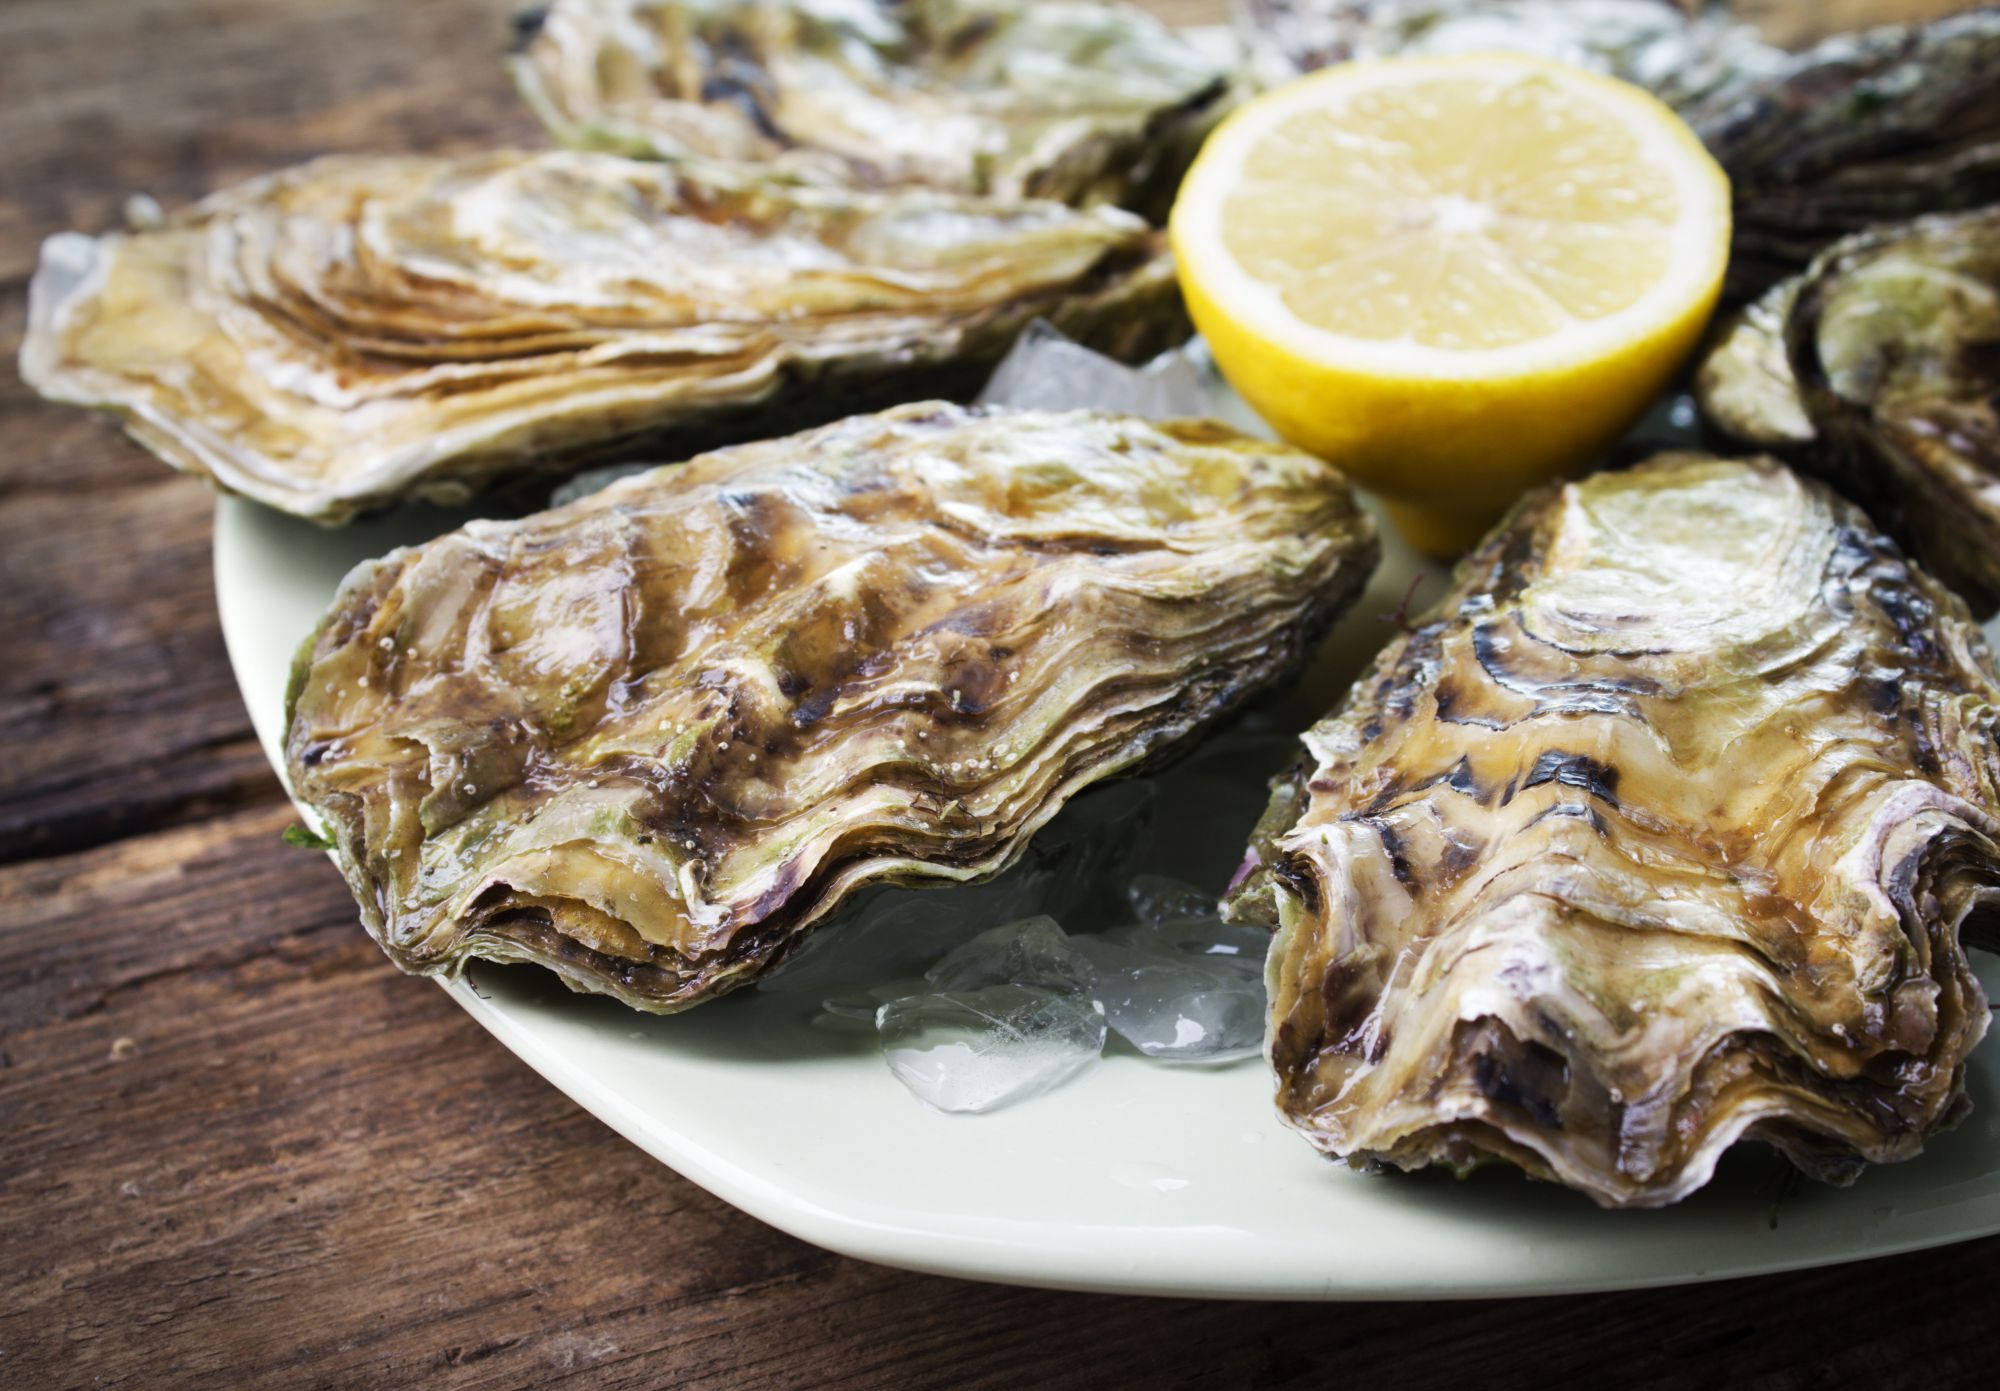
(650, 738)
(1744, 382)
(362, 330)
(1880, 369)
(1883, 125)
(1079, 102)
(1660, 834)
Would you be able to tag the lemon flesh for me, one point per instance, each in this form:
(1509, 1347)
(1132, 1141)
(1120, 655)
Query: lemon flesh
(1453, 277)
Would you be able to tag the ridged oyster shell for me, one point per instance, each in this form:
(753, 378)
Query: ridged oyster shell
(1879, 368)
(1879, 126)
(1076, 101)
(361, 330)
(651, 738)
(1661, 833)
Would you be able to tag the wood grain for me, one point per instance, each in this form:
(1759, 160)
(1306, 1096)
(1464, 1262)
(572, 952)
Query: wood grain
(237, 1149)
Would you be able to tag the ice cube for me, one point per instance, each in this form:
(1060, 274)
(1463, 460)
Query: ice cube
(1083, 855)
(594, 480)
(979, 1050)
(1034, 951)
(854, 1012)
(1209, 939)
(1208, 803)
(1168, 996)
(1047, 370)
(1156, 898)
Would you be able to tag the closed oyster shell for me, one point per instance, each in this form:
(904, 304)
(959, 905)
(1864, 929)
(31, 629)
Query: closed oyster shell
(1879, 368)
(1080, 102)
(1744, 383)
(358, 331)
(651, 738)
(1661, 833)
(1879, 126)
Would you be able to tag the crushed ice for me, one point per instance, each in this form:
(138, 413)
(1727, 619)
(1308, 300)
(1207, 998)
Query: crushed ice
(1049, 371)
(978, 1050)
(896, 933)
(1018, 1009)
(979, 998)
(973, 1014)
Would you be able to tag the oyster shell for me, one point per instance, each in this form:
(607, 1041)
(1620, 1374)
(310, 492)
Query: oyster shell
(1879, 368)
(1661, 833)
(1744, 382)
(1878, 126)
(1080, 102)
(362, 330)
(651, 738)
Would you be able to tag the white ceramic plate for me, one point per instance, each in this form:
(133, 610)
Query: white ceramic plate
(1137, 1176)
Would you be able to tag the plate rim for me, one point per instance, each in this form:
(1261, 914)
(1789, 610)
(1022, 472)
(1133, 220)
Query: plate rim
(1032, 1253)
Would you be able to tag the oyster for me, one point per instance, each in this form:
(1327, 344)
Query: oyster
(1080, 102)
(1879, 368)
(362, 330)
(1661, 833)
(1859, 128)
(650, 738)
(1878, 126)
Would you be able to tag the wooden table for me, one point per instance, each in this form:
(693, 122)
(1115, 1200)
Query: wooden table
(238, 1149)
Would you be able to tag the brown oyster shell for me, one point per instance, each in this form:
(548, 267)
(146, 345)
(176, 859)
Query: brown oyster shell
(1664, 832)
(1879, 369)
(359, 331)
(1081, 102)
(651, 738)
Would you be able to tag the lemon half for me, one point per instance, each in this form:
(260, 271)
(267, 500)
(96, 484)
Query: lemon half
(1454, 277)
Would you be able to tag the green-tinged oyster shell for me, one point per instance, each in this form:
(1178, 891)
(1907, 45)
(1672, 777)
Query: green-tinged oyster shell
(1080, 102)
(360, 330)
(1662, 832)
(651, 738)
(1879, 368)
(1744, 383)
(1878, 126)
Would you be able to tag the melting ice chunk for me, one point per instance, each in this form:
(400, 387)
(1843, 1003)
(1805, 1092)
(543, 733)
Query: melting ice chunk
(1158, 899)
(891, 934)
(978, 1050)
(854, 1012)
(1047, 370)
(1035, 951)
(1189, 990)
(594, 480)
(1212, 941)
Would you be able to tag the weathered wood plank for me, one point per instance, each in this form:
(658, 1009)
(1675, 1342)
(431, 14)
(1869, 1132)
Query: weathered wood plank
(237, 1148)
(118, 711)
(177, 98)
